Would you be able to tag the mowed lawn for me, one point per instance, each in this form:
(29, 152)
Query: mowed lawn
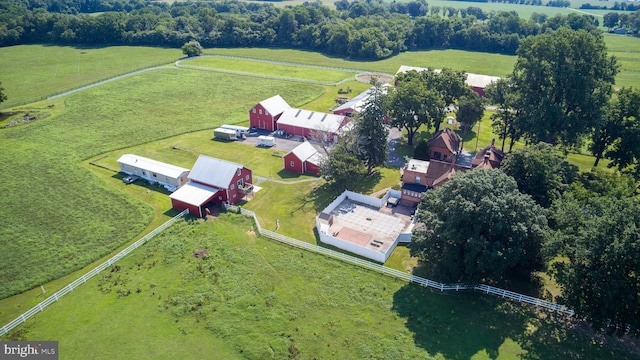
(263, 68)
(252, 298)
(31, 72)
(61, 217)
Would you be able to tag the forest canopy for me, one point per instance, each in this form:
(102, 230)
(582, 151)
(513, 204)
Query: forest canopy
(357, 29)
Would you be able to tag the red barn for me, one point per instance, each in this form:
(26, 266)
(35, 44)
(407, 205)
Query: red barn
(312, 124)
(265, 114)
(212, 181)
(304, 158)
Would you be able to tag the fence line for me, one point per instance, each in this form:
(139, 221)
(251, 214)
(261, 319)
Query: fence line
(402, 275)
(81, 280)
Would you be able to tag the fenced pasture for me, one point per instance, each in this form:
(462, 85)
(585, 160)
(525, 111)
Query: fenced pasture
(59, 210)
(281, 69)
(481, 63)
(256, 299)
(33, 72)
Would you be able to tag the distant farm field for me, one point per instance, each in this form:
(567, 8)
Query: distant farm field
(252, 298)
(290, 70)
(31, 72)
(61, 217)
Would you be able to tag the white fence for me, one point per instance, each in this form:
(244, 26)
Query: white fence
(402, 275)
(81, 280)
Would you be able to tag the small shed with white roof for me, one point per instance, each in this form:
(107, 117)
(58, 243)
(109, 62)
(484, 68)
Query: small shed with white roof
(304, 158)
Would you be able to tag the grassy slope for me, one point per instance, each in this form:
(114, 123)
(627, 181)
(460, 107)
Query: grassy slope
(256, 299)
(30, 72)
(58, 210)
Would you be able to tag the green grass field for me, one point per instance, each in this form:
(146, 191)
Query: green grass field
(31, 72)
(58, 209)
(270, 69)
(251, 298)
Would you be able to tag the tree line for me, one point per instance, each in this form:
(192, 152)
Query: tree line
(357, 29)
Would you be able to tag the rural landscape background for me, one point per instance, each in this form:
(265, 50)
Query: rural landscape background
(66, 210)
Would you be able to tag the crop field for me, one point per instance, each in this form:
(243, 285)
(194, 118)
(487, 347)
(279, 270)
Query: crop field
(31, 72)
(251, 298)
(58, 209)
(270, 69)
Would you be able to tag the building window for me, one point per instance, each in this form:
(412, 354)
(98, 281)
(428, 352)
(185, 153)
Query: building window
(154, 175)
(166, 178)
(292, 164)
(266, 112)
(247, 177)
(260, 111)
(240, 184)
(239, 172)
(417, 179)
(220, 197)
(144, 173)
(232, 187)
(437, 155)
(254, 110)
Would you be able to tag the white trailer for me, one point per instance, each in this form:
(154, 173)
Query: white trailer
(240, 130)
(224, 134)
(266, 141)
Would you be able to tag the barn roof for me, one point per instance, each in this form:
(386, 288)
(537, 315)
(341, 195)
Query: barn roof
(303, 151)
(275, 105)
(151, 165)
(357, 103)
(312, 120)
(446, 139)
(214, 172)
(474, 80)
(194, 194)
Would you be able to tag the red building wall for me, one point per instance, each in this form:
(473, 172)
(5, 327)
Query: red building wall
(193, 210)
(312, 168)
(292, 163)
(234, 195)
(260, 118)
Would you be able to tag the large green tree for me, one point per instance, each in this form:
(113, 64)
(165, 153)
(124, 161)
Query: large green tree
(370, 129)
(411, 104)
(539, 171)
(564, 80)
(192, 48)
(478, 226)
(470, 111)
(618, 137)
(449, 84)
(503, 120)
(343, 165)
(600, 237)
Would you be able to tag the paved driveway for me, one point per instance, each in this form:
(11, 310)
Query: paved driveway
(394, 159)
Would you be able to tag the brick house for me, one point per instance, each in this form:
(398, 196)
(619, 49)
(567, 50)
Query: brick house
(444, 144)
